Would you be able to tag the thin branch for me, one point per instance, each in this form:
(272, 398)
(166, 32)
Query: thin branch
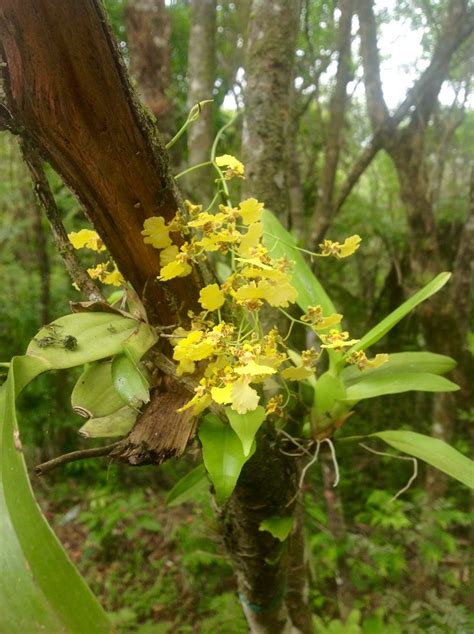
(47, 201)
(73, 456)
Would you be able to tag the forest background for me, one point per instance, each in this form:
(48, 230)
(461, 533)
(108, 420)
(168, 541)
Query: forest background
(336, 159)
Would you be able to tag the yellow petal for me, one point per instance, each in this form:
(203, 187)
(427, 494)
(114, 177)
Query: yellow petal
(114, 279)
(254, 369)
(156, 232)
(350, 246)
(174, 269)
(227, 160)
(251, 239)
(168, 255)
(244, 398)
(86, 238)
(222, 395)
(250, 210)
(211, 297)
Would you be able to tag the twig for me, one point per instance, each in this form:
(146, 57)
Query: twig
(390, 455)
(47, 201)
(73, 456)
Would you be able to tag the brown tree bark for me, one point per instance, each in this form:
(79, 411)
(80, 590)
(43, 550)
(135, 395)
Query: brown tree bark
(201, 77)
(149, 39)
(273, 27)
(68, 91)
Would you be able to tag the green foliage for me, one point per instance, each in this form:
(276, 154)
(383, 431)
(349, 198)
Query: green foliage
(223, 455)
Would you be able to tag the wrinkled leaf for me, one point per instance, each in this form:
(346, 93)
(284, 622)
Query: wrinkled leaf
(381, 329)
(186, 488)
(279, 527)
(246, 425)
(94, 394)
(119, 423)
(129, 381)
(396, 382)
(401, 362)
(91, 336)
(433, 451)
(40, 589)
(223, 455)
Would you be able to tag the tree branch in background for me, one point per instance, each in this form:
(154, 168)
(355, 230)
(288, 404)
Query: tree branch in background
(337, 109)
(420, 95)
(201, 77)
(46, 199)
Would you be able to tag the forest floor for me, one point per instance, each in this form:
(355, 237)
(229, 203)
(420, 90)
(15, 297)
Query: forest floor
(155, 569)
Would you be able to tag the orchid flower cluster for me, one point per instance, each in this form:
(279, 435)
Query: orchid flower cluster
(235, 360)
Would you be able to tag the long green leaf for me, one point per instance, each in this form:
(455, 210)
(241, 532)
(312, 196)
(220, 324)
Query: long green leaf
(40, 589)
(433, 451)
(397, 382)
(281, 243)
(223, 455)
(401, 362)
(186, 488)
(381, 329)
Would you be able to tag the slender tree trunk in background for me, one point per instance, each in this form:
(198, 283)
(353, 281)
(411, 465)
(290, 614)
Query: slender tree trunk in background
(201, 77)
(273, 27)
(337, 526)
(442, 320)
(42, 258)
(337, 111)
(149, 39)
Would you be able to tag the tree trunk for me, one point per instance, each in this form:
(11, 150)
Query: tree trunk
(149, 40)
(201, 77)
(273, 28)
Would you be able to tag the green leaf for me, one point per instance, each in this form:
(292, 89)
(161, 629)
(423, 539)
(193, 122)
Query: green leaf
(401, 362)
(281, 243)
(246, 425)
(186, 488)
(93, 336)
(223, 455)
(119, 423)
(279, 527)
(329, 389)
(94, 394)
(396, 382)
(381, 329)
(129, 381)
(433, 451)
(40, 589)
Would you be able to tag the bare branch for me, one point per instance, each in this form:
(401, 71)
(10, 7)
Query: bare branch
(73, 456)
(46, 199)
